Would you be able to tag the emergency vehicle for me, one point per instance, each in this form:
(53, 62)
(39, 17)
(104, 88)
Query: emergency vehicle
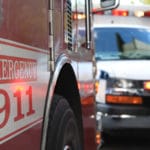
(46, 90)
(123, 89)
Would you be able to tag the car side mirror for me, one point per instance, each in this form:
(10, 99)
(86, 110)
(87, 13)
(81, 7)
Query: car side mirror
(101, 5)
(109, 4)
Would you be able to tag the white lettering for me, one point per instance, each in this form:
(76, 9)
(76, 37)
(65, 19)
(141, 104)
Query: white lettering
(13, 68)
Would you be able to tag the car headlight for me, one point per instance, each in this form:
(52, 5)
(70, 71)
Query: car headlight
(123, 91)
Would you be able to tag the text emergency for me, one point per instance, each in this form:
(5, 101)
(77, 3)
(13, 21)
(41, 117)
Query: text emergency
(15, 69)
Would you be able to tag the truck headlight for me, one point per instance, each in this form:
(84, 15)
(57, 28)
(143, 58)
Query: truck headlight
(122, 91)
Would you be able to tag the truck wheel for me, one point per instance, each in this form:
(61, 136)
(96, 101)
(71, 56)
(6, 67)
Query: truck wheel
(63, 132)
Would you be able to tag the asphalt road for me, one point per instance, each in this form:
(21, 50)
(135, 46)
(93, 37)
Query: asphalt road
(127, 143)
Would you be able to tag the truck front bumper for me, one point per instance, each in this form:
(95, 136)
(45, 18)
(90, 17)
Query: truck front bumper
(118, 117)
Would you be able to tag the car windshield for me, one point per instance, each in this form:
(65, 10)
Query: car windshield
(115, 43)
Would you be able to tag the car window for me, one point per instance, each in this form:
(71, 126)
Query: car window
(121, 43)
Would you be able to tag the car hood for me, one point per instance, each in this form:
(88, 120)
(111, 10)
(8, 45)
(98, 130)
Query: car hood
(127, 69)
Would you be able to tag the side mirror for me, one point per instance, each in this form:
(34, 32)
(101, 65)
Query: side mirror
(101, 5)
(109, 3)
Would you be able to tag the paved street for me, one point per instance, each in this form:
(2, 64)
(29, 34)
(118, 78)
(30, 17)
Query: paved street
(127, 143)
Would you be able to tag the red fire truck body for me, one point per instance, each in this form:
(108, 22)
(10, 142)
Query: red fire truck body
(46, 78)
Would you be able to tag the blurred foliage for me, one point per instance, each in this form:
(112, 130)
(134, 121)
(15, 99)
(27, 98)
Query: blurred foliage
(145, 1)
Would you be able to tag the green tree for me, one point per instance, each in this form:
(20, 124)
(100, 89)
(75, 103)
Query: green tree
(145, 1)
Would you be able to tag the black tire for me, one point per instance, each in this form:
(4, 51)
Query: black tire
(63, 132)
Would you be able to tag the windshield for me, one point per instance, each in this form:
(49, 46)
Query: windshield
(121, 43)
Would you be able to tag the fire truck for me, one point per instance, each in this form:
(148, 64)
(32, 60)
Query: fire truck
(47, 98)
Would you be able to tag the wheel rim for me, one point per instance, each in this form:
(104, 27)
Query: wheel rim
(71, 137)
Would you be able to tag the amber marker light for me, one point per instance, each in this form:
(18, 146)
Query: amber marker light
(87, 101)
(118, 99)
(98, 138)
(147, 85)
(96, 86)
